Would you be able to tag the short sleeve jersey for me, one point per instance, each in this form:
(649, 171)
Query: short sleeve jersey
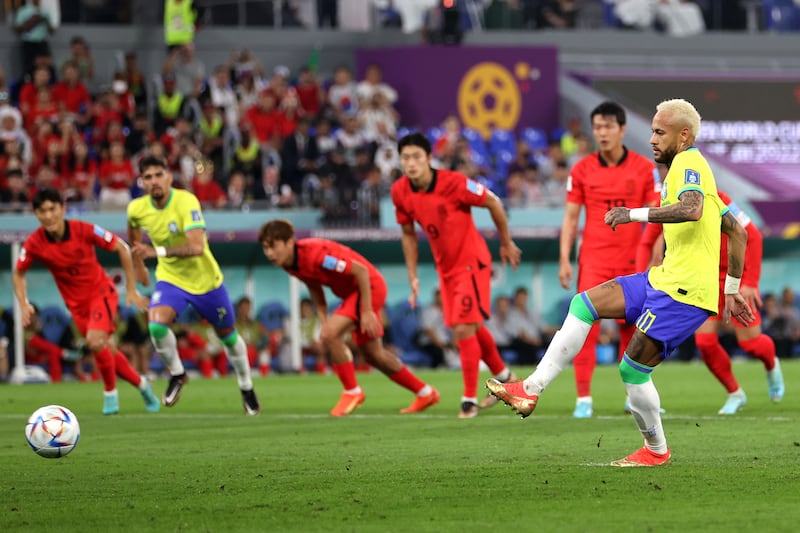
(444, 211)
(633, 182)
(330, 264)
(72, 261)
(167, 227)
(689, 273)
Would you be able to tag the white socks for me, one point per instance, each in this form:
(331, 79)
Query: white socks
(167, 348)
(645, 407)
(237, 355)
(565, 345)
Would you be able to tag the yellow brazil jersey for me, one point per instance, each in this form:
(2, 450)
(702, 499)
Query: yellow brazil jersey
(690, 271)
(167, 227)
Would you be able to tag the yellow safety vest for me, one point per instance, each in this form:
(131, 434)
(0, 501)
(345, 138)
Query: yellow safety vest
(178, 22)
(170, 106)
(247, 153)
(211, 129)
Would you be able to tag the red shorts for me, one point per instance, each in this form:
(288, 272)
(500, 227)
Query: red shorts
(721, 309)
(97, 314)
(351, 308)
(467, 296)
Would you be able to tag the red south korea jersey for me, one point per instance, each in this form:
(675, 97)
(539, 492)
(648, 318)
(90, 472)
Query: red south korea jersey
(72, 261)
(633, 182)
(444, 211)
(330, 264)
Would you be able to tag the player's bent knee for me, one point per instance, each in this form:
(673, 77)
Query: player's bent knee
(580, 306)
(157, 330)
(633, 373)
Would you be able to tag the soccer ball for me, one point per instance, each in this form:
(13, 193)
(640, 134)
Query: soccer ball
(52, 431)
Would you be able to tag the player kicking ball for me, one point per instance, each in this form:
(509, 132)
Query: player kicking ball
(668, 302)
(67, 249)
(323, 263)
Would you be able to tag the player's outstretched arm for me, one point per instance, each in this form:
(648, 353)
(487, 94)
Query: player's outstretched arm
(410, 245)
(509, 251)
(21, 292)
(132, 295)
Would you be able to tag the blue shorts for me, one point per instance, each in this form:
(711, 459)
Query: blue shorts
(215, 306)
(658, 315)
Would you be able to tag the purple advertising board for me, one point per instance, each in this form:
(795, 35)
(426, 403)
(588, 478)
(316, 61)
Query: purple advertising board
(486, 86)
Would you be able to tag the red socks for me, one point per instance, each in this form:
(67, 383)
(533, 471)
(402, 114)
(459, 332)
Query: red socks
(585, 362)
(716, 359)
(347, 374)
(106, 366)
(489, 352)
(125, 370)
(762, 347)
(405, 378)
(469, 351)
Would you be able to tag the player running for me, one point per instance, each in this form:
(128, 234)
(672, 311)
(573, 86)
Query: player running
(667, 303)
(323, 263)
(187, 273)
(441, 202)
(750, 337)
(67, 249)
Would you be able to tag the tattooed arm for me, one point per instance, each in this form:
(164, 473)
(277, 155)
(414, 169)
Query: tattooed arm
(689, 209)
(737, 244)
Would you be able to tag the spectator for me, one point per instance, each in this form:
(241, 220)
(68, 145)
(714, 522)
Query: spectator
(14, 196)
(444, 144)
(240, 193)
(189, 72)
(369, 195)
(569, 140)
(271, 192)
(326, 142)
(171, 104)
(373, 84)
(81, 58)
(34, 26)
(524, 328)
(207, 190)
(242, 62)
(81, 174)
(350, 138)
(12, 131)
(247, 156)
(71, 95)
(680, 18)
(127, 102)
(515, 195)
(137, 82)
(328, 13)
(498, 324)
(116, 178)
(140, 135)
(222, 96)
(106, 109)
(434, 337)
(310, 328)
(267, 120)
(250, 329)
(310, 94)
(44, 109)
(388, 161)
(342, 96)
(212, 131)
(378, 120)
(299, 155)
(28, 92)
(180, 19)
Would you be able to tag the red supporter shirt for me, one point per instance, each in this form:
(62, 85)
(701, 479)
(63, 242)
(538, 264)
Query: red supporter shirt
(72, 97)
(209, 192)
(444, 211)
(633, 182)
(330, 264)
(308, 96)
(72, 261)
(117, 175)
(753, 253)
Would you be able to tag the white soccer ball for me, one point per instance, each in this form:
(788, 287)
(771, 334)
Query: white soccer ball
(53, 431)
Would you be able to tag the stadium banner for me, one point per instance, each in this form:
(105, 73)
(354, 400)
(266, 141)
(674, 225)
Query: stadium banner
(487, 87)
(781, 217)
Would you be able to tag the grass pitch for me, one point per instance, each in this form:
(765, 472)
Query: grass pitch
(203, 466)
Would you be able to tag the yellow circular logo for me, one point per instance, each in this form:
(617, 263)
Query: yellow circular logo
(488, 97)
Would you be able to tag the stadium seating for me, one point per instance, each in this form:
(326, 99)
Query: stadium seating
(502, 142)
(402, 131)
(781, 15)
(535, 138)
(405, 325)
(434, 133)
(476, 142)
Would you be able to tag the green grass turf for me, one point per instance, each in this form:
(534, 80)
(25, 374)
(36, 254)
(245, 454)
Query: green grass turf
(203, 466)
